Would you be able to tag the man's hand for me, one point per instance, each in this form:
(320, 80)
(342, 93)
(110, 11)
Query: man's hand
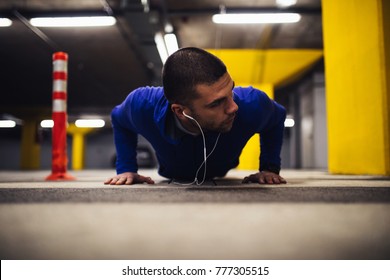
(264, 177)
(128, 178)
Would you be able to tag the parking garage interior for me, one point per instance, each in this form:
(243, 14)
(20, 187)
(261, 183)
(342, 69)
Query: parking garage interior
(330, 70)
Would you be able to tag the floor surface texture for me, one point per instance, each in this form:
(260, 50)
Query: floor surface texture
(314, 216)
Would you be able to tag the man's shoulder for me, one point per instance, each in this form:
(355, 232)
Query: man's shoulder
(145, 97)
(248, 95)
(143, 103)
(147, 92)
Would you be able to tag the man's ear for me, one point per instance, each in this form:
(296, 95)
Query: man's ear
(178, 109)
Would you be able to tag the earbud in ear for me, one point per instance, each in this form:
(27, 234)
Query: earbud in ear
(187, 116)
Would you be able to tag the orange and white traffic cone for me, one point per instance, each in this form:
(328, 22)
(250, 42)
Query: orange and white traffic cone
(60, 118)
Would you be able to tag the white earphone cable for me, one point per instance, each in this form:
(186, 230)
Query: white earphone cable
(205, 156)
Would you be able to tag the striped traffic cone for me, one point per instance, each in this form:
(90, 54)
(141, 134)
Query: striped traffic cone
(59, 147)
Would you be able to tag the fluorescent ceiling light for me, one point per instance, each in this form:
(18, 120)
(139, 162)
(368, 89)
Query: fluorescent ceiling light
(256, 18)
(7, 123)
(92, 123)
(162, 49)
(5, 22)
(73, 21)
(47, 123)
(285, 3)
(171, 43)
(289, 122)
(168, 28)
(166, 45)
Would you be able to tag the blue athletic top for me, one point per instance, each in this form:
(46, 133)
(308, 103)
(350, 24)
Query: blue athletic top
(146, 111)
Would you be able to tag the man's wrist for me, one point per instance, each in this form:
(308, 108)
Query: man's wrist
(270, 168)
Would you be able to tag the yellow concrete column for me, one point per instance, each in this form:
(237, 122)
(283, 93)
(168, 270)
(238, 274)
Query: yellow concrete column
(78, 145)
(265, 70)
(30, 146)
(357, 71)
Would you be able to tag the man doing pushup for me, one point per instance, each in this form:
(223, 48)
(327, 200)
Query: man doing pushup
(198, 123)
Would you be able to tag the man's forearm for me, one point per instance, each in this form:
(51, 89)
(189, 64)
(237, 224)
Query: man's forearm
(126, 148)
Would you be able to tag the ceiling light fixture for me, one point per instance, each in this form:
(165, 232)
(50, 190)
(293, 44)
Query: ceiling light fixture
(5, 22)
(289, 122)
(171, 43)
(93, 21)
(161, 48)
(7, 123)
(256, 18)
(92, 123)
(166, 45)
(168, 28)
(285, 3)
(47, 123)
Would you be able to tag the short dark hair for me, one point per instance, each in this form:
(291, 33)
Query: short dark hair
(187, 68)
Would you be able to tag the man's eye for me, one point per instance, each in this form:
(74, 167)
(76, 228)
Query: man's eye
(216, 103)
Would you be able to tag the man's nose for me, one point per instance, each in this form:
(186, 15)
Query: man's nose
(232, 107)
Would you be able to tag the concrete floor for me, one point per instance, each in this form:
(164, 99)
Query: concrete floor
(314, 216)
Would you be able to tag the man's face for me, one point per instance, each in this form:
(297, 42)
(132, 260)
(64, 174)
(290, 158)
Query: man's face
(215, 108)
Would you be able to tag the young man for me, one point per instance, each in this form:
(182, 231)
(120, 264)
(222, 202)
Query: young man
(198, 124)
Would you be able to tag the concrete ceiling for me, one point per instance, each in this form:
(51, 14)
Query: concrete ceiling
(108, 62)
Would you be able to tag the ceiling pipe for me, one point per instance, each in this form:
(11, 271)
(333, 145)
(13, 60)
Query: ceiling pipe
(53, 45)
(210, 11)
(126, 35)
(165, 11)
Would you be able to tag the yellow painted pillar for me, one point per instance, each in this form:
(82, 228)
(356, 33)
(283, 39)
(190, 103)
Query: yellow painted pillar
(265, 70)
(30, 146)
(78, 145)
(357, 71)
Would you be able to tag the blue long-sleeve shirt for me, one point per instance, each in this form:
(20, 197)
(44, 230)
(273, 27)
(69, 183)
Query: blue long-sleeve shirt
(146, 111)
